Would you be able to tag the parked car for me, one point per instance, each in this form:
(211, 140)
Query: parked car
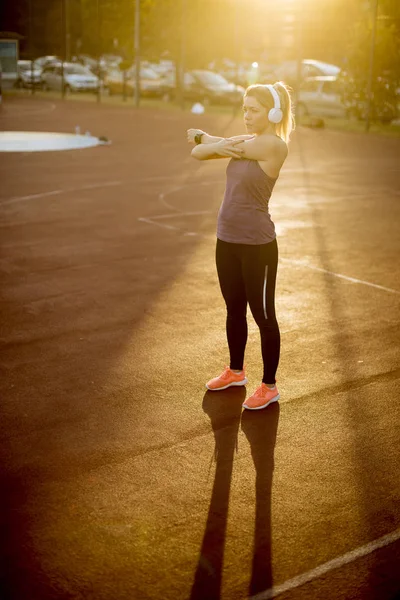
(162, 68)
(111, 60)
(230, 70)
(41, 62)
(211, 88)
(97, 67)
(28, 76)
(206, 87)
(151, 85)
(76, 78)
(287, 71)
(321, 97)
(330, 96)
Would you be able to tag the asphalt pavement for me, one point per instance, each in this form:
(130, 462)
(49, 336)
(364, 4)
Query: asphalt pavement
(125, 479)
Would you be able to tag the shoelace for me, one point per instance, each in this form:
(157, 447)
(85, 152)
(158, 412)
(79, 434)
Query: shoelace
(259, 390)
(225, 374)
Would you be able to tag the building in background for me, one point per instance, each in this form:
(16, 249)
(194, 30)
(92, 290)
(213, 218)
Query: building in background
(9, 55)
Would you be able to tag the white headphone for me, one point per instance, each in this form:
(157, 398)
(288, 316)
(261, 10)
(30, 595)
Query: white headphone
(275, 115)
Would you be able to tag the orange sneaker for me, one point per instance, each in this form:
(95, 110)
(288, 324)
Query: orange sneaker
(262, 397)
(226, 379)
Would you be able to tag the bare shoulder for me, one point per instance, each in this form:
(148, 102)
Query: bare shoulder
(274, 144)
(282, 145)
(275, 153)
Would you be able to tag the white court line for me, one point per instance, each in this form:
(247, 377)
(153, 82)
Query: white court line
(183, 214)
(336, 563)
(85, 187)
(352, 279)
(177, 212)
(151, 222)
(161, 196)
(91, 186)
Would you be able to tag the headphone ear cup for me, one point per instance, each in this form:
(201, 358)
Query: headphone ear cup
(275, 115)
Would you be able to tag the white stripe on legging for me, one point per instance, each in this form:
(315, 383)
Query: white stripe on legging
(265, 292)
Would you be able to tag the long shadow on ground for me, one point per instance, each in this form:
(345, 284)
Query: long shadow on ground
(261, 428)
(225, 411)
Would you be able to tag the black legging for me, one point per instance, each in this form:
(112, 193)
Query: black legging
(247, 274)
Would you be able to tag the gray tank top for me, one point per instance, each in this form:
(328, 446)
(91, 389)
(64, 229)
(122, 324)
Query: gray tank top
(243, 217)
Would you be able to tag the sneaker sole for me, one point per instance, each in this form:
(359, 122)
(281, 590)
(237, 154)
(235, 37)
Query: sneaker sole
(263, 406)
(243, 382)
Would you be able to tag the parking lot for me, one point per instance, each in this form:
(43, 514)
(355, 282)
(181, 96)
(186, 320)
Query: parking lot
(123, 478)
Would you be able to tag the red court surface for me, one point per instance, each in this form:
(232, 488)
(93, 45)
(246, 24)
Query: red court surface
(122, 477)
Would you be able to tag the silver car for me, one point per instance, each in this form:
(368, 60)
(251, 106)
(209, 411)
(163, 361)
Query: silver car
(28, 74)
(76, 78)
(321, 97)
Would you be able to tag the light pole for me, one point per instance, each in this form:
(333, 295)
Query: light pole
(299, 61)
(371, 64)
(137, 53)
(31, 47)
(238, 53)
(237, 41)
(64, 45)
(67, 33)
(182, 54)
(98, 50)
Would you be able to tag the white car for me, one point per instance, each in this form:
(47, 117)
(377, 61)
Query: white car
(26, 75)
(41, 62)
(150, 83)
(288, 71)
(76, 78)
(321, 97)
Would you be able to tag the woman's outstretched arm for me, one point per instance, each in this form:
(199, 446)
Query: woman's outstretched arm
(206, 138)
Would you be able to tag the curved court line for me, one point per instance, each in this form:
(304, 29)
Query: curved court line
(351, 279)
(152, 222)
(325, 568)
(186, 214)
(161, 196)
(177, 212)
(92, 186)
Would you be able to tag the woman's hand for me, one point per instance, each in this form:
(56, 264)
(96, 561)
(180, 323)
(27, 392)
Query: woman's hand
(191, 133)
(227, 147)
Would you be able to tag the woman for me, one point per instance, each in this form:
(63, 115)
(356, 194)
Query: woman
(247, 250)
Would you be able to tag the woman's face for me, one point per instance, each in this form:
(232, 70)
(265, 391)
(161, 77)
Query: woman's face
(255, 115)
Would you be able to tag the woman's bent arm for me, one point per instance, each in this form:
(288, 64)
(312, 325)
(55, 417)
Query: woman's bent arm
(222, 149)
(205, 151)
(210, 139)
(206, 138)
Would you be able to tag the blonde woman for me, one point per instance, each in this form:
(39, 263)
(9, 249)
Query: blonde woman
(247, 249)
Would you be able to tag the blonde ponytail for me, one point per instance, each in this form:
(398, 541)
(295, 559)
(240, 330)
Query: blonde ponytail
(287, 125)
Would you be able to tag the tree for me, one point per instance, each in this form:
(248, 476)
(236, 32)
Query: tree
(387, 48)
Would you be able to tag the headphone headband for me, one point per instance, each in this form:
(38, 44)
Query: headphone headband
(275, 115)
(275, 95)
